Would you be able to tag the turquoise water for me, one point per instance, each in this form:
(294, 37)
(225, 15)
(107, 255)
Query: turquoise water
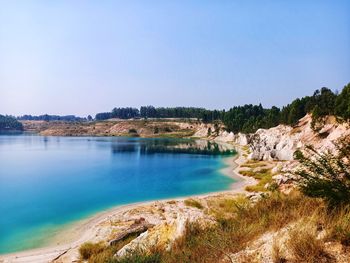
(47, 182)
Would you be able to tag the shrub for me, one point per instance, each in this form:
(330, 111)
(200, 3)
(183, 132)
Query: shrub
(326, 175)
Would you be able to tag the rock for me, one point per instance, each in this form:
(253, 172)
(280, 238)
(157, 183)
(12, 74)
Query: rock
(281, 179)
(277, 168)
(280, 143)
(138, 227)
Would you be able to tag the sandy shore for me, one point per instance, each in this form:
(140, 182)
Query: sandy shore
(85, 230)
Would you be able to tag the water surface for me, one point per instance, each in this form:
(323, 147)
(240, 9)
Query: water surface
(46, 182)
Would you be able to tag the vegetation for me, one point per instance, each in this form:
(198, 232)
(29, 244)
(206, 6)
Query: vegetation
(326, 175)
(88, 249)
(152, 112)
(176, 112)
(305, 247)
(238, 222)
(342, 103)
(8, 123)
(193, 203)
(264, 178)
(248, 118)
(47, 117)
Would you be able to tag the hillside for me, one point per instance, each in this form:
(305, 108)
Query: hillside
(141, 128)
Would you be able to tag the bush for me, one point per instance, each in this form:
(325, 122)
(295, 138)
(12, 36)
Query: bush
(326, 175)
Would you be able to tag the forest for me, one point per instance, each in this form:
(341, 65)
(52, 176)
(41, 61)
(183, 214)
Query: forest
(47, 117)
(248, 118)
(9, 123)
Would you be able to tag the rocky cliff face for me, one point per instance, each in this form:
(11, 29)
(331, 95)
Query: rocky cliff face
(280, 143)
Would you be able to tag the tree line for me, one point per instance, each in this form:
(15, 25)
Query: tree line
(323, 102)
(9, 123)
(247, 118)
(152, 112)
(46, 117)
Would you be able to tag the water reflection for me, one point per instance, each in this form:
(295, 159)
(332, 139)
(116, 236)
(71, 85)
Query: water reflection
(171, 146)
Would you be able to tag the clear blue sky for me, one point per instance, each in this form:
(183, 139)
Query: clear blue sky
(83, 57)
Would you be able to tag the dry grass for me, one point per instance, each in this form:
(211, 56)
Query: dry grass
(338, 225)
(193, 203)
(88, 249)
(239, 222)
(306, 247)
(255, 164)
(264, 176)
(277, 255)
(246, 223)
(100, 252)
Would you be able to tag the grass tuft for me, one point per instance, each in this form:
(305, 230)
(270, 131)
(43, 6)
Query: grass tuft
(193, 203)
(88, 249)
(305, 247)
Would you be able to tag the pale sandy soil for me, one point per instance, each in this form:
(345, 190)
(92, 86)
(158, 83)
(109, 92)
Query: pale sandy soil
(70, 239)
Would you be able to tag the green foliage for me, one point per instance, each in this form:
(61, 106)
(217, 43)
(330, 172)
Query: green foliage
(9, 123)
(263, 176)
(342, 107)
(47, 117)
(176, 112)
(326, 175)
(249, 118)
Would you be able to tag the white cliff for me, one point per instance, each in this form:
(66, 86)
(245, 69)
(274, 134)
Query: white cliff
(280, 143)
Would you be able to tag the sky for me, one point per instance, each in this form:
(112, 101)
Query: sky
(83, 57)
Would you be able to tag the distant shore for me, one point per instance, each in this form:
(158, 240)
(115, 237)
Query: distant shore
(84, 230)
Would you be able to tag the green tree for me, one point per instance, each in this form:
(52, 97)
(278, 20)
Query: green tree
(342, 103)
(9, 123)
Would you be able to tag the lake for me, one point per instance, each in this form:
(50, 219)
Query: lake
(48, 182)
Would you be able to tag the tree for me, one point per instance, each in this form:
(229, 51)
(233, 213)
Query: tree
(9, 123)
(326, 175)
(342, 103)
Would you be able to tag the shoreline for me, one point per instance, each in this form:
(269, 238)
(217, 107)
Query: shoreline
(84, 230)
